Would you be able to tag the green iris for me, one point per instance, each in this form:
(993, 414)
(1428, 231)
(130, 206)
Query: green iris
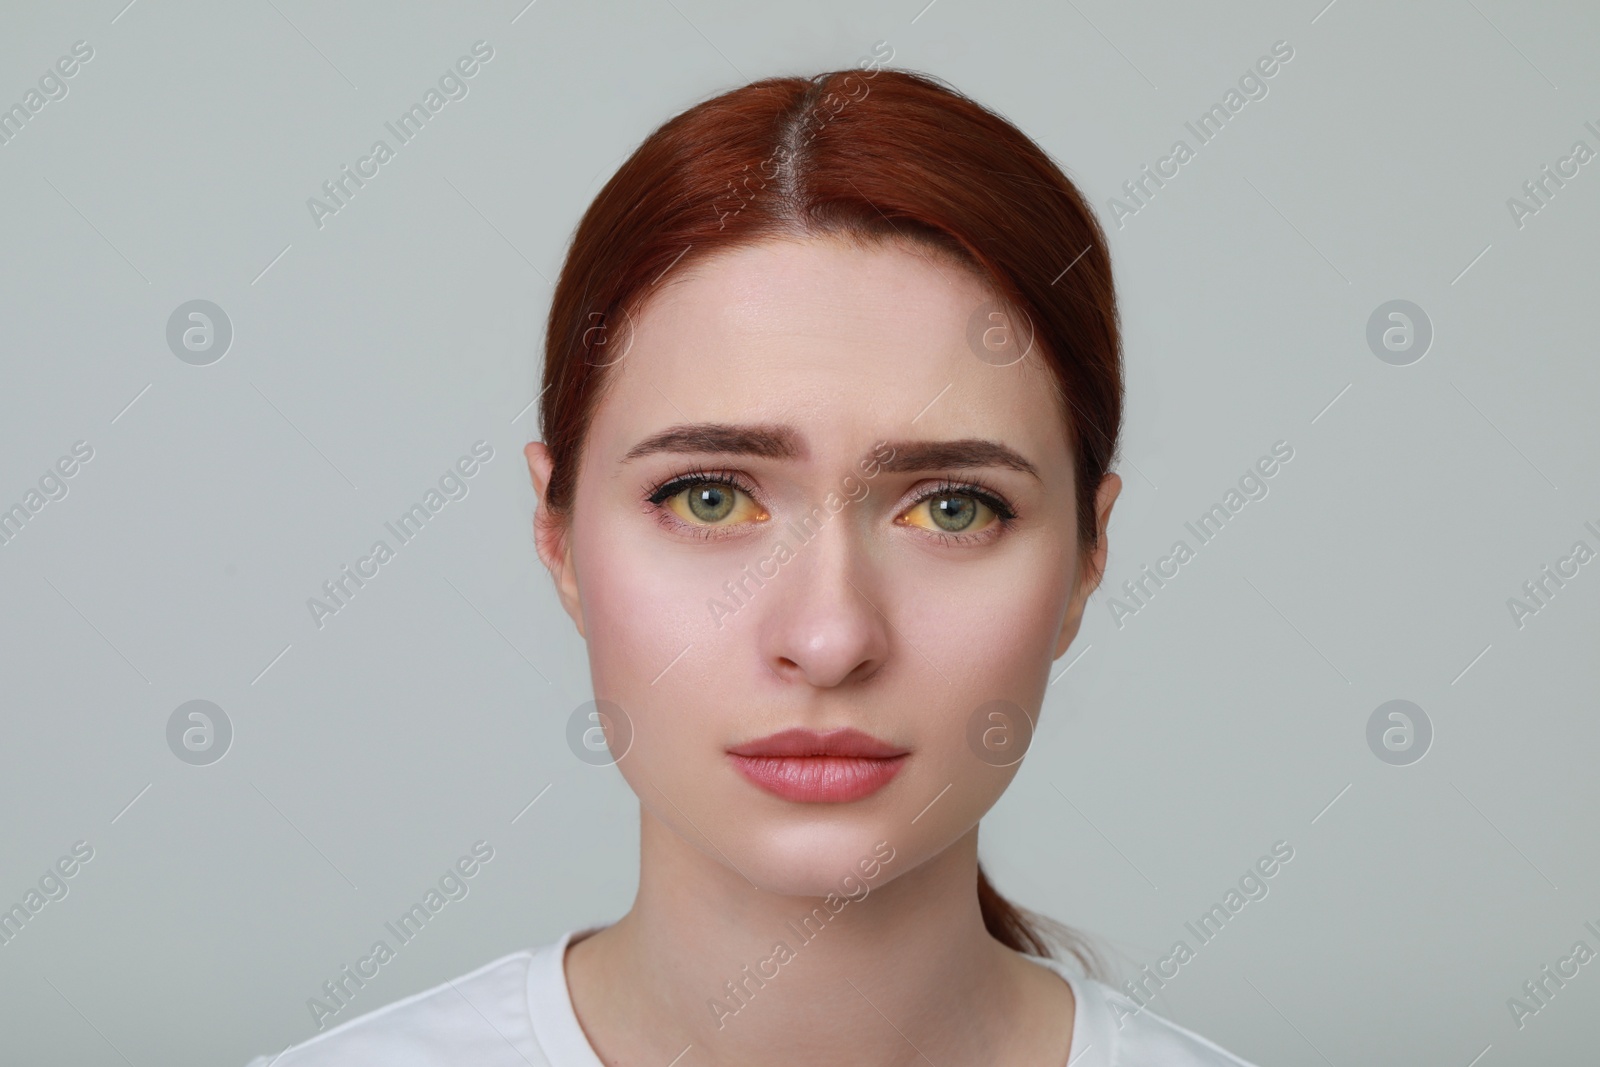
(953, 513)
(710, 503)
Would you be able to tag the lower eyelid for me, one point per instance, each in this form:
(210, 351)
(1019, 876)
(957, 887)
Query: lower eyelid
(988, 533)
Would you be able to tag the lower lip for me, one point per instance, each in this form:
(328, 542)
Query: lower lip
(819, 779)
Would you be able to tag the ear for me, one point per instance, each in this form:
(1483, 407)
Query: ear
(1089, 579)
(550, 534)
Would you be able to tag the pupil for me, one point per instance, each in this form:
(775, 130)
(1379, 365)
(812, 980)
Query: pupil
(954, 513)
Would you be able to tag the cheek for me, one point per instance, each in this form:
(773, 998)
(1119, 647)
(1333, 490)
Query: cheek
(652, 648)
(637, 605)
(991, 627)
(974, 633)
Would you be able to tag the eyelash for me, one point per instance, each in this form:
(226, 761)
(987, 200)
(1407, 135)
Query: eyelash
(1003, 512)
(656, 496)
(695, 476)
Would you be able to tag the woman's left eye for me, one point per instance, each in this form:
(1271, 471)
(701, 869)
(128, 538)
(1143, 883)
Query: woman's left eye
(953, 512)
(709, 503)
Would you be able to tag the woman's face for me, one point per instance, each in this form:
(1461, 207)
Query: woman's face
(805, 502)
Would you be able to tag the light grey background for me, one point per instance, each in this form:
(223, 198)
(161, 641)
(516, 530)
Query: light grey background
(370, 353)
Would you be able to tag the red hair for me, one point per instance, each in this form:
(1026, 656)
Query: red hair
(872, 156)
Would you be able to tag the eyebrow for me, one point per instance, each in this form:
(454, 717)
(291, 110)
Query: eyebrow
(783, 442)
(767, 442)
(966, 453)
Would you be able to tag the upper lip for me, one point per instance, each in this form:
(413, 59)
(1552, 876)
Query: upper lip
(799, 741)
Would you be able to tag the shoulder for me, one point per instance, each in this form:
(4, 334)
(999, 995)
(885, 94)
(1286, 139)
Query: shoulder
(1145, 1037)
(1111, 1029)
(480, 1018)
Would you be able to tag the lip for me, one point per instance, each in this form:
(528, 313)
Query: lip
(845, 741)
(811, 767)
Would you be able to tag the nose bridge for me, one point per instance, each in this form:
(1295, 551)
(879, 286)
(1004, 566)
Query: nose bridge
(821, 625)
(833, 554)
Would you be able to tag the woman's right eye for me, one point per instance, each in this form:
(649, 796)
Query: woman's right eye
(711, 503)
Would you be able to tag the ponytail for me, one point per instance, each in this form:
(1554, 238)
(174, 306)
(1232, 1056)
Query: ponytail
(1031, 933)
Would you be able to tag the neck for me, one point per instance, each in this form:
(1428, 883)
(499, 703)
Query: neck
(707, 959)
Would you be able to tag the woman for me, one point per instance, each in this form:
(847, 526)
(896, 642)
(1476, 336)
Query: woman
(832, 392)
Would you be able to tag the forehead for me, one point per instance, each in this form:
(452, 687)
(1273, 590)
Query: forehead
(844, 341)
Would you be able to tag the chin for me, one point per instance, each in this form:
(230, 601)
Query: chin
(846, 858)
(812, 858)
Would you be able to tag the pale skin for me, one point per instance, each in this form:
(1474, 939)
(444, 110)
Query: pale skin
(887, 620)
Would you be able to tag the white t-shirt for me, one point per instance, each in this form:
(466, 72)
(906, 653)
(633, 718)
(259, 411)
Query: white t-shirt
(517, 1012)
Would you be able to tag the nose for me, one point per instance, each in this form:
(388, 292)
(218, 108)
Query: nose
(819, 626)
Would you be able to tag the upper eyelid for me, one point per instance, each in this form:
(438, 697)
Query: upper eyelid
(989, 496)
(948, 485)
(678, 482)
